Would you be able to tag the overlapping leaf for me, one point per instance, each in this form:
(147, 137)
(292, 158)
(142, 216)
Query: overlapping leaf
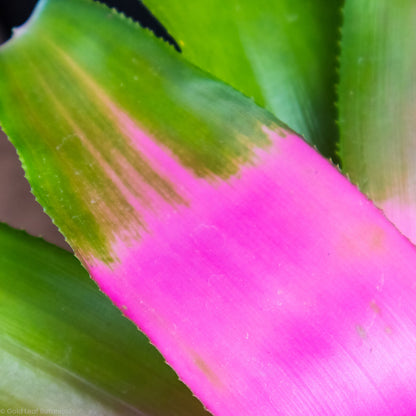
(281, 53)
(269, 283)
(64, 348)
(377, 97)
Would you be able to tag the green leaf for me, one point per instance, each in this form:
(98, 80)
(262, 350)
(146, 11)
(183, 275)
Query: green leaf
(281, 53)
(267, 281)
(93, 98)
(64, 346)
(377, 101)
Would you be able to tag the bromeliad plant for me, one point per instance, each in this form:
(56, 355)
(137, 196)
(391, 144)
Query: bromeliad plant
(268, 282)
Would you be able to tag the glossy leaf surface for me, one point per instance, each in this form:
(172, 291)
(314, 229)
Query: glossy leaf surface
(377, 105)
(281, 53)
(269, 283)
(65, 348)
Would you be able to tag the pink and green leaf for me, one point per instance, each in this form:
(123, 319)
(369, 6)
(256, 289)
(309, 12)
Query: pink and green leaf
(282, 53)
(64, 346)
(377, 101)
(268, 281)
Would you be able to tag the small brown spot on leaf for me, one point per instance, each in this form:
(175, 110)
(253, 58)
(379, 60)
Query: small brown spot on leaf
(375, 307)
(361, 331)
(362, 239)
(376, 238)
(207, 370)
